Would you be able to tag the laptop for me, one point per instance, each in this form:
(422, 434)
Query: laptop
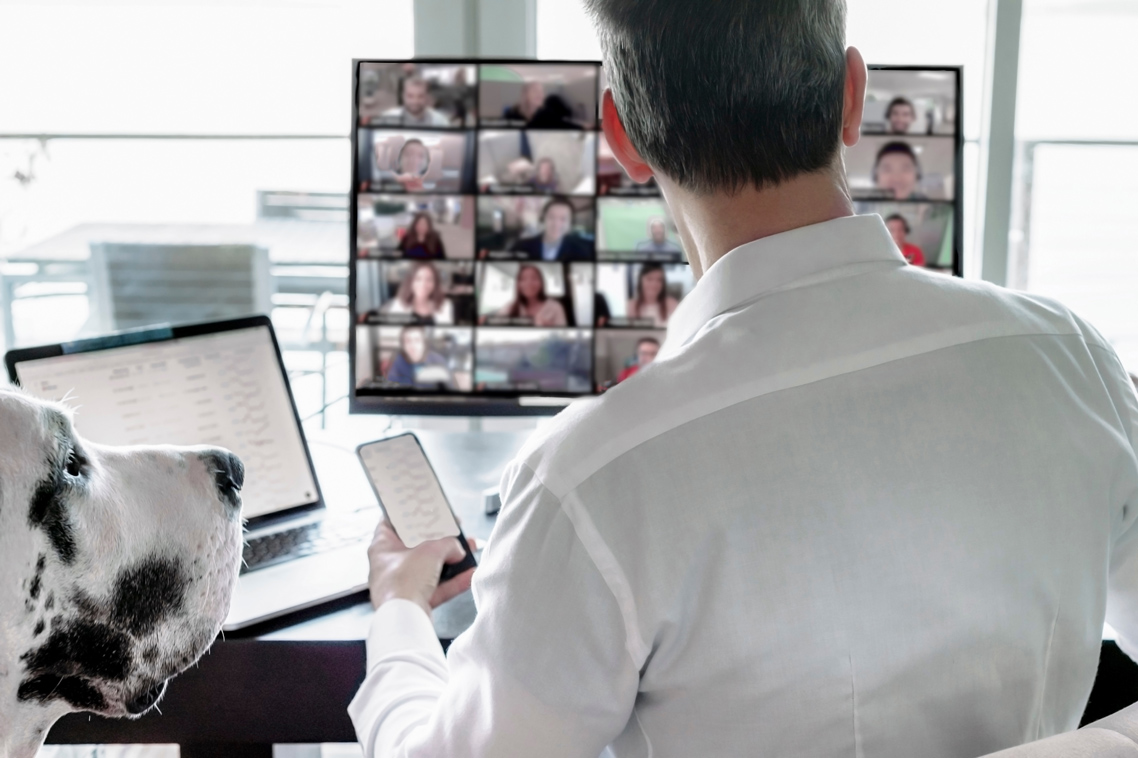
(220, 383)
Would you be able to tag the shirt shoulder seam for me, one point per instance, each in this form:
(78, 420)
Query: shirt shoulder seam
(1129, 422)
(606, 565)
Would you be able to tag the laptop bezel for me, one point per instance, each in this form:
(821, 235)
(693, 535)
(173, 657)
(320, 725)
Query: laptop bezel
(166, 333)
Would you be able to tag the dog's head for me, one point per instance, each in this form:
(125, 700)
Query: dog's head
(116, 566)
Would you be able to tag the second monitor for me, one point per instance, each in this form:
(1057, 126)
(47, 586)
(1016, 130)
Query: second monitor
(501, 255)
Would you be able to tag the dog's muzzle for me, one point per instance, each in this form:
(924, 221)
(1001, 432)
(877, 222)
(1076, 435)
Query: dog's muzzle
(228, 476)
(146, 699)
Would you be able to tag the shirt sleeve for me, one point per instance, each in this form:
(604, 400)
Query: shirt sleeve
(1122, 586)
(544, 670)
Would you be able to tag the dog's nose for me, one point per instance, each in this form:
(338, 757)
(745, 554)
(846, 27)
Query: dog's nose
(146, 699)
(228, 474)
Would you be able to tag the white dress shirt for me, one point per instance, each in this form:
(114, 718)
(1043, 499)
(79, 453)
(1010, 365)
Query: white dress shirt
(854, 508)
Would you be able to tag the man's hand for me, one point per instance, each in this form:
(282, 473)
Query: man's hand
(398, 571)
(410, 182)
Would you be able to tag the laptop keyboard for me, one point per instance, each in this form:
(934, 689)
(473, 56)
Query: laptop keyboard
(305, 540)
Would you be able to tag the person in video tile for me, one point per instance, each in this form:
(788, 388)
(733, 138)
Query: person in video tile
(897, 170)
(646, 350)
(657, 241)
(533, 97)
(421, 239)
(412, 164)
(421, 296)
(545, 176)
(554, 113)
(555, 243)
(415, 110)
(899, 229)
(531, 302)
(410, 366)
(652, 300)
(900, 114)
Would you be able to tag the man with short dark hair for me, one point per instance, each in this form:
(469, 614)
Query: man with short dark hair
(856, 508)
(415, 110)
(900, 114)
(897, 172)
(556, 241)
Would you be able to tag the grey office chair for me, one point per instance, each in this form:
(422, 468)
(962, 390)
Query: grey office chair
(137, 285)
(1115, 736)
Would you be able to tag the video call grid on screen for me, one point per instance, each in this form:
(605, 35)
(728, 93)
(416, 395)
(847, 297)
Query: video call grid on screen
(500, 253)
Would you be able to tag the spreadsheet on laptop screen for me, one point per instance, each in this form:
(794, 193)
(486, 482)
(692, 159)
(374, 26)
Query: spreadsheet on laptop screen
(223, 389)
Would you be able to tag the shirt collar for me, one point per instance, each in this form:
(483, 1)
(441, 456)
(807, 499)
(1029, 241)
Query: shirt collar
(772, 262)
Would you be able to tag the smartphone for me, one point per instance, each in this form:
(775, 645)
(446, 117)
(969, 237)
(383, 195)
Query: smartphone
(411, 496)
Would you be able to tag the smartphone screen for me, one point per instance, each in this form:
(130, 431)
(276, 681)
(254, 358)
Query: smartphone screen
(408, 490)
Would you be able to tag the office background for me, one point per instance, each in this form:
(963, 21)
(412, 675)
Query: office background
(225, 123)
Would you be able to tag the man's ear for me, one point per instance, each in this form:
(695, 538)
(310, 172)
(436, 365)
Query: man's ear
(622, 148)
(854, 101)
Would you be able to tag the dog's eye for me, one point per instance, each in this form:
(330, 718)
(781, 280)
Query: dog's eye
(74, 465)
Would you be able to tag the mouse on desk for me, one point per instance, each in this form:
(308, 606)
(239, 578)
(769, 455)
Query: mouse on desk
(491, 501)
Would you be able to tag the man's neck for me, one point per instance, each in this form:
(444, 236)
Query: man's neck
(713, 225)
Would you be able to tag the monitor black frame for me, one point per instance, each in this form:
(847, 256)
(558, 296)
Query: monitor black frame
(958, 163)
(414, 402)
(166, 333)
(514, 402)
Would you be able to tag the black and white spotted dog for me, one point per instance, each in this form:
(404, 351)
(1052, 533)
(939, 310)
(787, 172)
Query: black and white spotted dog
(116, 568)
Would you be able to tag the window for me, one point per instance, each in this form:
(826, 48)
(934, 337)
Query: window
(189, 123)
(1073, 236)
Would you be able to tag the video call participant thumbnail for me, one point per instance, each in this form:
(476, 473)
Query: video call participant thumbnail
(917, 168)
(897, 170)
(415, 292)
(899, 229)
(534, 360)
(921, 231)
(556, 242)
(641, 295)
(620, 354)
(417, 95)
(555, 228)
(536, 162)
(538, 96)
(420, 240)
(910, 102)
(421, 227)
(646, 350)
(537, 295)
(612, 178)
(900, 115)
(636, 229)
(425, 359)
(414, 108)
(404, 161)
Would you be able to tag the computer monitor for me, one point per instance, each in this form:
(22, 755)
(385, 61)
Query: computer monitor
(502, 262)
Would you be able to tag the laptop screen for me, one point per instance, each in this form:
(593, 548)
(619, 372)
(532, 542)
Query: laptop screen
(224, 389)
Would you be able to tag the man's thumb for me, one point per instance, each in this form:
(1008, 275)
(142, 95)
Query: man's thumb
(455, 553)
